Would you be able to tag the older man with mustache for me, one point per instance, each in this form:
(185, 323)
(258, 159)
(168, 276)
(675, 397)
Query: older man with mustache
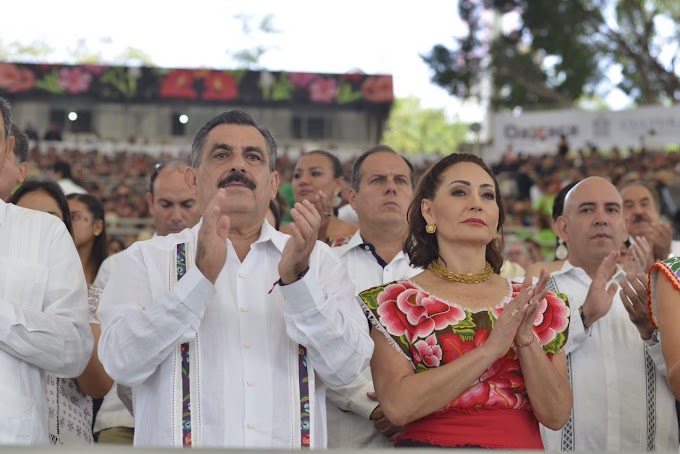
(230, 332)
(622, 401)
(642, 206)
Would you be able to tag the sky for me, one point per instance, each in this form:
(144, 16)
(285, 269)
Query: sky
(374, 36)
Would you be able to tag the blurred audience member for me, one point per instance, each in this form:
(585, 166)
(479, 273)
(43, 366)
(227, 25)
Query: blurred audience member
(16, 168)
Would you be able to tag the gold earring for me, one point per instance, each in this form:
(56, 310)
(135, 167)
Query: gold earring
(430, 228)
(495, 235)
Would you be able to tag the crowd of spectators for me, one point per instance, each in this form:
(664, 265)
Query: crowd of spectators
(529, 183)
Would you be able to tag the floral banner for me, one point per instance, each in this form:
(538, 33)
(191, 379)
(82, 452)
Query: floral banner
(134, 84)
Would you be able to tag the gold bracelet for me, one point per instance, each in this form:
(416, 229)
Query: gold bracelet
(528, 343)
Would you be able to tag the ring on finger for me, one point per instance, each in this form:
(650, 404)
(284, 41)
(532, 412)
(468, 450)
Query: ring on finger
(514, 312)
(328, 215)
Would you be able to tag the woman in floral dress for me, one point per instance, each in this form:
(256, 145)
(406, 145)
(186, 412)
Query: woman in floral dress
(462, 356)
(664, 308)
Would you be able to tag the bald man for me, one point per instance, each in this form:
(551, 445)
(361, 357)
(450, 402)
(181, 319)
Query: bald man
(622, 401)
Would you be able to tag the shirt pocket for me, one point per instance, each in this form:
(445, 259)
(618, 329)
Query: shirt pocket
(18, 417)
(23, 284)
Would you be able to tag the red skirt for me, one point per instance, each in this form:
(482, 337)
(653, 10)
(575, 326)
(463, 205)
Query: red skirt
(494, 429)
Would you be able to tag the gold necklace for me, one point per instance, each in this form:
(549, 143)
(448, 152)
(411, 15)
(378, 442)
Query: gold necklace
(472, 278)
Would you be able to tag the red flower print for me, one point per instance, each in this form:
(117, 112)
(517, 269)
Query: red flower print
(552, 318)
(179, 83)
(323, 90)
(407, 311)
(14, 78)
(500, 386)
(454, 346)
(220, 86)
(427, 352)
(378, 89)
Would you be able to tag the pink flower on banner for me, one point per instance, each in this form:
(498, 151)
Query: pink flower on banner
(74, 80)
(302, 80)
(323, 90)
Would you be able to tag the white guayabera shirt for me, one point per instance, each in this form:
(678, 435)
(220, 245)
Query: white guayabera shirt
(244, 335)
(43, 318)
(349, 409)
(622, 401)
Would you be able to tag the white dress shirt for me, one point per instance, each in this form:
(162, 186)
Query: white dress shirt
(43, 318)
(112, 412)
(349, 409)
(622, 401)
(245, 328)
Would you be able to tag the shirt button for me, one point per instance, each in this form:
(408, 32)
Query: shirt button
(241, 274)
(246, 345)
(250, 383)
(251, 425)
(244, 308)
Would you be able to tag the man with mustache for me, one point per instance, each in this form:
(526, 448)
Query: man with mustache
(642, 205)
(381, 191)
(622, 401)
(230, 332)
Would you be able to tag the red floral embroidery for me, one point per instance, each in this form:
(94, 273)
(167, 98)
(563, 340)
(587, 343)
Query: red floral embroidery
(552, 316)
(406, 311)
(427, 352)
(220, 86)
(14, 78)
(178, 83)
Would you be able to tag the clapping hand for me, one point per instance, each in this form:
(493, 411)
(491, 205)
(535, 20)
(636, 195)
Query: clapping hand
(505, 330)
(525, 332)
(211, 248)
(600, 296)
(639, 257)
(304, 231)
(633, 294)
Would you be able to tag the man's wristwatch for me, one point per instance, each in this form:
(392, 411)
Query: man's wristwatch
(655, 339)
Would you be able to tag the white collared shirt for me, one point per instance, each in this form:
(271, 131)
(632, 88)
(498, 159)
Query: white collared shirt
(622, 401)
(43, 318)
(349, 409)
(244, 331)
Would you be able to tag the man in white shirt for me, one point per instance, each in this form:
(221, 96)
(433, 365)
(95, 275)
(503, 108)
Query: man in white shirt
(229, 332)
(43, 311)
(642, 206)
(381, 191)
(173, 208)
(61, 173)
(622, 401)
(16, 168)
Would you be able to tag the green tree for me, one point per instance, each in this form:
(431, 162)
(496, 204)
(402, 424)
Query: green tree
(249, 58)
(562, 50)
(414, 129)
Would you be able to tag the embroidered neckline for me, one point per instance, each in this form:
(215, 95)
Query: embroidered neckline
(506, 299)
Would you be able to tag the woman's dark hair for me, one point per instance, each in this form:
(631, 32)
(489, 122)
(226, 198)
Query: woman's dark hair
(52, 189)
(422, 247)
(337, 165)
(101, 242)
